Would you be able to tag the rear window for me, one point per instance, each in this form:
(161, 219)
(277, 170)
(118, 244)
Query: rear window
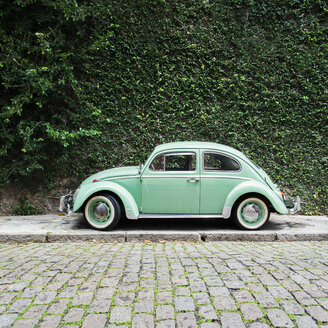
(219, 162)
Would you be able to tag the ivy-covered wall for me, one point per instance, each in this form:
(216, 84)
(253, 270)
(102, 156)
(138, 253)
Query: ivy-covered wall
(88, 85)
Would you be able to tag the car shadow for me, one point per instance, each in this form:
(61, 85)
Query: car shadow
(190, 225)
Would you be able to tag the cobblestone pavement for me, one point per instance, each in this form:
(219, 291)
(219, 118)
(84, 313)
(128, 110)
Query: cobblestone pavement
(207, 285)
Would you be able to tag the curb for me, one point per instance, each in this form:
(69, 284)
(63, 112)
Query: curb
(160, 236)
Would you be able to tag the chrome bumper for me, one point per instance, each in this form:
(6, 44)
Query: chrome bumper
(293, 205)
(66, 203)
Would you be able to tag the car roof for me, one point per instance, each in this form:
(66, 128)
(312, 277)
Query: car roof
(197, 145)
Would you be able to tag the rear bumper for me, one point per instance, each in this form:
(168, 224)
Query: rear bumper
(66, 203)
(293, 205)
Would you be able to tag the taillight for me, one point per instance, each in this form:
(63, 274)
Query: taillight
(96, 180)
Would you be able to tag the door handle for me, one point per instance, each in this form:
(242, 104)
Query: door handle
(193, 180)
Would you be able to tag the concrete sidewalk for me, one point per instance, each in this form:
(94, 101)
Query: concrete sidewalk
(58, 228)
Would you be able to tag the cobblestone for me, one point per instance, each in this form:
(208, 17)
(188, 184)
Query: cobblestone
(206, 285)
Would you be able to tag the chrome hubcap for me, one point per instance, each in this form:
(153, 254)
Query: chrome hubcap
(251, 212)
(100, 211)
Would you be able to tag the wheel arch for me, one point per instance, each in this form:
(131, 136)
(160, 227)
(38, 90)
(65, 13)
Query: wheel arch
(253, 188)
(124, 198)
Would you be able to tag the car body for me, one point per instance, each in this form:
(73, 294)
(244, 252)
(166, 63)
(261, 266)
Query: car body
(182, 180)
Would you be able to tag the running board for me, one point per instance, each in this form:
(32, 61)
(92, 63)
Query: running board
(180, 216)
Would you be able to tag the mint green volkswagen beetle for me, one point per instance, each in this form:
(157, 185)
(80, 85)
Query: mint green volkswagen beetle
(182, 180)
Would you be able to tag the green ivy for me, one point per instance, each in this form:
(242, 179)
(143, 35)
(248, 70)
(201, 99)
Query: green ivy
(91, 85)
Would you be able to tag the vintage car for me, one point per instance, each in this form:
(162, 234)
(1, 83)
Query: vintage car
(182, 180)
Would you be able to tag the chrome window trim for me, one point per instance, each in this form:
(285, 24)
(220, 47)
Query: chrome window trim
(173, 153)
(219, 153)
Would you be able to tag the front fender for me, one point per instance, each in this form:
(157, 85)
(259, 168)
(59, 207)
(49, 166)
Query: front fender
(89, 189)
(248, 187)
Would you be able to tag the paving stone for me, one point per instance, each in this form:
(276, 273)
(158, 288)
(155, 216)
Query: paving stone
(165, 324)
(304, 298)
(25, 323)
(68, 292)
(258, 325)
(209, 325)
(243, 296)
(213, 281)
(45, 297)
(120, 314)
(35, 311)
(50, 321)
(305, 322)
(265, 299)
(100, 306)
(16, 287)
(74, 315)
(163, 297)
(323, 302)
(255, 287)
(197, 286)
(219, 291)
(317, 313)
(82, 298)
(142, 321)
(279, 318)
(186, 320)
(279, 292)
(94, 321)
(19, 305)
(251, 311)
(231, 320)
(267, 280)
(201, 298)
(2, 309)
(124, 298)
(105, 293)
(6, 320)
(31, 292)
(207, 312)
(144, 306)
(164, 312)
(184, 303)
(292, 307)
(58, 306)
(89, 286)
(6, 298)
(224, 303)
(182, 291)
(314, 291)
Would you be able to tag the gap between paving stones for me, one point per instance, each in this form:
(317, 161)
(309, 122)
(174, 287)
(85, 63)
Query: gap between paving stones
(106, 237)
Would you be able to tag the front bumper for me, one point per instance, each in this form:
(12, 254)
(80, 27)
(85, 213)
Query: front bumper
(66, 203)
(293, 205)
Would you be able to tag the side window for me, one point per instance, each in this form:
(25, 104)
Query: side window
(174, 162)
(218, 162)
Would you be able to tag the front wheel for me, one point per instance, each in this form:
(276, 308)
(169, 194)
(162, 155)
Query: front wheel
(102, 212)
(250, 213)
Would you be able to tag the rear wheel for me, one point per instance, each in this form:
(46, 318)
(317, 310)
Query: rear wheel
(102, 212)
(250, 213)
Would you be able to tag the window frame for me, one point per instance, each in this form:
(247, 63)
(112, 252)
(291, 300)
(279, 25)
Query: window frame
(192, 153)
(218, 153)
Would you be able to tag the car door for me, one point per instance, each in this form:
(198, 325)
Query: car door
(171, 184)
(220, 174)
